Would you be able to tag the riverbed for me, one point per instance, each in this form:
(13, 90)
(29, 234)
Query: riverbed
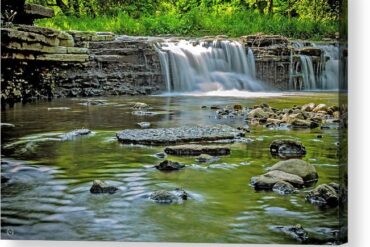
(47, 195)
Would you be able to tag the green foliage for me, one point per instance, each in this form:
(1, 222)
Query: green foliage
(293, 18)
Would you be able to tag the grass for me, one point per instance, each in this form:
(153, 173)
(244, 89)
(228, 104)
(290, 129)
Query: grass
(196, 22)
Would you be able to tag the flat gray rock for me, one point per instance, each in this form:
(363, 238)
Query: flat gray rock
(165, 136)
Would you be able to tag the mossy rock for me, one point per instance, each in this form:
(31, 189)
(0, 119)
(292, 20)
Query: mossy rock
(298, 167)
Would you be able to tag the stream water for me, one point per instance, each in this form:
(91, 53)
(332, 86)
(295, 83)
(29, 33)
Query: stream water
(47, 196)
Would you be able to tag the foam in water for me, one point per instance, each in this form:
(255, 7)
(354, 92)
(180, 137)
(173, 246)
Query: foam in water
(208, 66)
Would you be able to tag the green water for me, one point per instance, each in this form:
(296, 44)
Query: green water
(47, 196)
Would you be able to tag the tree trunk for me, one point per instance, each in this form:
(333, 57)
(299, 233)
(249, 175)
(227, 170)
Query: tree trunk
(62, 6)
(271, 6)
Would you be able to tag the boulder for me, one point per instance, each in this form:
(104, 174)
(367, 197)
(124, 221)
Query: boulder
(295, 180)
(308, 107)
(168, 165)
(258, 113)
(168, 197)
(263, 182)
(297, 167)
(304, 124)
(323, 195)
(320, 107)
(100, 187)
(287, 148)
(238, 107)
(197, 150)
(291, 117)
(283, 188)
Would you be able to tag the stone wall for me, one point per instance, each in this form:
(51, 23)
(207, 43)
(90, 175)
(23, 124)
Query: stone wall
(46, 63)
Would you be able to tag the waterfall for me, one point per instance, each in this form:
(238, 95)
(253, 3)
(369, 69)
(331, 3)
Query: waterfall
(308, 73)
(208, 66)
(324, 75)
(330, 74)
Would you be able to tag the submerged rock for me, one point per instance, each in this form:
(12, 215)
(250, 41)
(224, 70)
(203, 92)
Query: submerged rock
(205, 158)
(161, 155)
(168, 165)
(163, 136)
(144, 124)
(143, 113)
(168, 197)
(75, 133)
(298, 167)
(196, 150)
(297, 232)
(58, 108)
(140, 106)
(283, 188)
(94, 103)
(287, 148)
(324, 195)
(100, 187)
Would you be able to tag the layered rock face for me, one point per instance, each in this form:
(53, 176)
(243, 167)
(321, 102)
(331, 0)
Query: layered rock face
(45, 63)
(275, 58)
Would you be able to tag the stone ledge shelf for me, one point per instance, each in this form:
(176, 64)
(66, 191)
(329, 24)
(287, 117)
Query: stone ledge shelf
(35, 11)
(165, 136)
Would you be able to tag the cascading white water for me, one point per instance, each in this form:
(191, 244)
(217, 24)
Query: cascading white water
(330, 74)
(208, 66)
(323, 76)
(308, 73)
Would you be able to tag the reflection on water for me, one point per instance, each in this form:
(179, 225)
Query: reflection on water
(47, 195)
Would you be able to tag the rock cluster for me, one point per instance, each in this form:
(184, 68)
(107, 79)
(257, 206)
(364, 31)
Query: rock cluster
(286, 175)
(307, 116)
(329, 195)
